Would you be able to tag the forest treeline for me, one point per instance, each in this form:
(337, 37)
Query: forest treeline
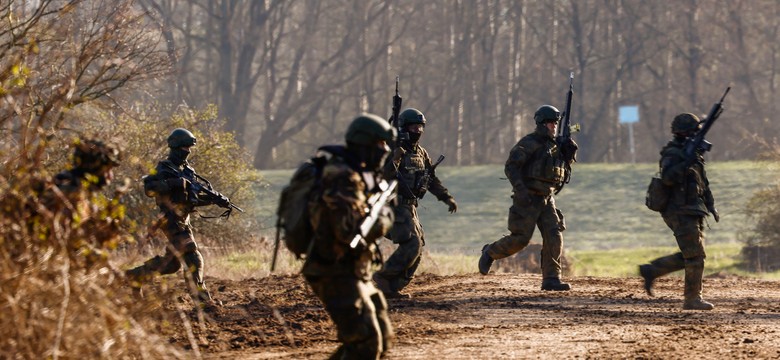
(289, 75)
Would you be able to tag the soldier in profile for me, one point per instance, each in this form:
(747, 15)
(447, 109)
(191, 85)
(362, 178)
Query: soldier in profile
(689, 203)
(171, 189)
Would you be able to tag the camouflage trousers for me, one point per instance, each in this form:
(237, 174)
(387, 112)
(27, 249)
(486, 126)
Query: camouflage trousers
(689, 232)
(524, 216)
(181, 248)
(407, 232)
(359, 311)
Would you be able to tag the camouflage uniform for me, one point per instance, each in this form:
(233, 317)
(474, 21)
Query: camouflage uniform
(93, 162)
(690, 201)
(398, 271)
(169, 187)
(535, 167)
(340, 276)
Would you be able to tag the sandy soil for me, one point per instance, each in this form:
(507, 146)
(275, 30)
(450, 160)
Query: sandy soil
(503, 316)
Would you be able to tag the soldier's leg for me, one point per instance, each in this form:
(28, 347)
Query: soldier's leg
(193, 260)
(550, 224)
(348, 302)
(665, 264)
(383, 318)
(399, 268)
(660, 267)
(521, 223)
(690, 238)
(163, 265)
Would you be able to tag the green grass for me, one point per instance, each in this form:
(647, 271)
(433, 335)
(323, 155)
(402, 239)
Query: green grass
(603, 206)
(609, 229)
(624, 262)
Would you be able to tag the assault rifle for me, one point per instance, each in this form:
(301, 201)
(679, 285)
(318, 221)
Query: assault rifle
(395, 122)
(422, 182)
(697, 143)
(564, 133)
(198, 190)
(375, 204)
(394, 119)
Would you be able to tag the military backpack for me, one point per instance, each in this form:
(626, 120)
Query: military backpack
(658, 194)
(293, 211)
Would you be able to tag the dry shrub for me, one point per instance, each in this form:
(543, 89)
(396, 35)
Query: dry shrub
(60, 296)
(762, 240)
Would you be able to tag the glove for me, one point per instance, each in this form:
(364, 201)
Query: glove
(452, 204)
(569, 151)
(398, 154)
(715, 214)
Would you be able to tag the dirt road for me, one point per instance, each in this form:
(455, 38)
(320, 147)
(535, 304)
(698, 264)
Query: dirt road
(506, 316)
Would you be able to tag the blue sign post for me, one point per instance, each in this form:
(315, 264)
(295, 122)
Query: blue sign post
(629, 114)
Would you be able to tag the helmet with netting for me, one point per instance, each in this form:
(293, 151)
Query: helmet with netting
(89, 154)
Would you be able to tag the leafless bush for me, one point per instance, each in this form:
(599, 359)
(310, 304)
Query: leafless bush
(60, 294)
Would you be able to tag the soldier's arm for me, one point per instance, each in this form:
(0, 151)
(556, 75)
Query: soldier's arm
(673, 168)
(390, 169)
(163, 181)
(434, 183)
(709, 200)
(518, 156)
(344, 200)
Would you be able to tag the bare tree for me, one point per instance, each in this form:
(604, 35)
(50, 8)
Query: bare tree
(60, 54)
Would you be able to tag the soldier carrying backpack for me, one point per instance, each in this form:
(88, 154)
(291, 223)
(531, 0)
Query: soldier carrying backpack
(334, 194)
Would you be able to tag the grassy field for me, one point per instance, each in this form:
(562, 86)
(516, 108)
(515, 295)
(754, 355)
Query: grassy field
(609, 229)
(603, 206)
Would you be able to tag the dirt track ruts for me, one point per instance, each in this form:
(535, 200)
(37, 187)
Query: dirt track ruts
(506, 316)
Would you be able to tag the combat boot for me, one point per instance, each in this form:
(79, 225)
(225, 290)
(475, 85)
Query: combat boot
(647, 272)
(555, 284)
(485, 261)
(660, 267)
(383, 284)
(693, 299)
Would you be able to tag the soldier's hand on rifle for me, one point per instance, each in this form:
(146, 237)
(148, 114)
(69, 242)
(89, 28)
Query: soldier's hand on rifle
(569, 150)
(452, 204)
(178, 183)
(222, 201)
(398, 154)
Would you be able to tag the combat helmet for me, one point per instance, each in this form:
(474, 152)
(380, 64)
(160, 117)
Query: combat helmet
(89, 154)
(367, 129)
(685, 123)
(411, 116)
(181, 138)
(546, 113)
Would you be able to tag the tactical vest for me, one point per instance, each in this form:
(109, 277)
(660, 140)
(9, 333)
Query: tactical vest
(689, 194)
(411, 169)
(545, 169)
